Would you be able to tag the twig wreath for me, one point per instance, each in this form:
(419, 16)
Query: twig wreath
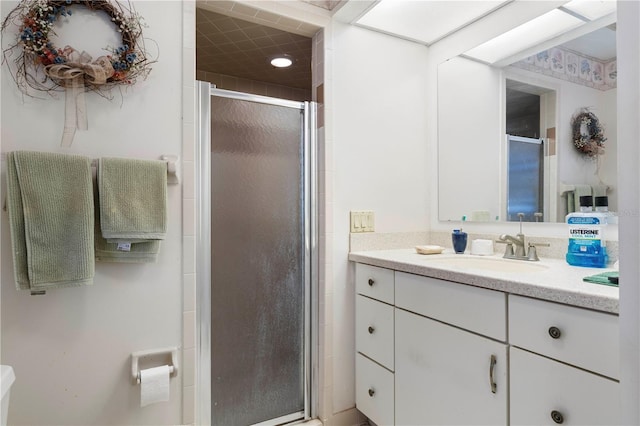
(42, 66)
(35, 20)
(587, 133)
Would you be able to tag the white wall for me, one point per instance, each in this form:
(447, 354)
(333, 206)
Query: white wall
(379, 156)
(628, 34)
(71, 348)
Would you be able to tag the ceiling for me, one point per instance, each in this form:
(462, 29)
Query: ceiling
(227, 44)
(430, 21)
(237, 39)
(240, 48)
(325, 4)
(599, 44)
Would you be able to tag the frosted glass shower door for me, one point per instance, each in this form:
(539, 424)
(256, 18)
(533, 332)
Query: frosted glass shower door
(525, 178)
(259, 267)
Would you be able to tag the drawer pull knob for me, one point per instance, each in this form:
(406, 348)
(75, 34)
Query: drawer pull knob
(371, 282)
(492, 367)
(371, 392)
(557, 417)
(555, 332)
(371, 330)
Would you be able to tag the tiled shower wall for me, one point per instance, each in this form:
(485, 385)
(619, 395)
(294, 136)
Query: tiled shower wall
(188, 212)
(324, 228)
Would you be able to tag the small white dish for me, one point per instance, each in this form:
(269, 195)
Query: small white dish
(482, 247)
(429, 249)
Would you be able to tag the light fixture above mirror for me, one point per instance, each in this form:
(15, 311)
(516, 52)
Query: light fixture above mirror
(558, 25)
(425, 22)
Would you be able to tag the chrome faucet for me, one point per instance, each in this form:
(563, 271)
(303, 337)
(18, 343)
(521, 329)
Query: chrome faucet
(520, 243)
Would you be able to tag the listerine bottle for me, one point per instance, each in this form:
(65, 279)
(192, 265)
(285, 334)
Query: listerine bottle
(586, 242)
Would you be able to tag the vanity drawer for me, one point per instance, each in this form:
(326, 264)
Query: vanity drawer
(577, 336)
(476, 309)
(541, 386)
(374, 391)
(374, 330)
(374, 282)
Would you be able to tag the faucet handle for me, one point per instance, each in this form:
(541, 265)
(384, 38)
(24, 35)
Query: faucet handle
(508, 250)
(532, 253)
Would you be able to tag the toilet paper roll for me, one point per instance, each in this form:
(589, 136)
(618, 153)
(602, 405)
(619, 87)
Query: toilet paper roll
(154, 385)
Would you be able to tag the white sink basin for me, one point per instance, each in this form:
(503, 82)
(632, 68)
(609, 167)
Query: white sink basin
(487, 264)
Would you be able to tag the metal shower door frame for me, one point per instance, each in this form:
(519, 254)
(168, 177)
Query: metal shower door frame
(204, 91)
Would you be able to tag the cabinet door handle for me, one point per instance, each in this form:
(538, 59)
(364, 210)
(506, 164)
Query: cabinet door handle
(557, 417)
(371, 329)
(371, 392)
(492, 367)
(371, 282)
(555, 332)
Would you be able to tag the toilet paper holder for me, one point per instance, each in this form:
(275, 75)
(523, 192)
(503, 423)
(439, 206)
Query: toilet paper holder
(155, 358)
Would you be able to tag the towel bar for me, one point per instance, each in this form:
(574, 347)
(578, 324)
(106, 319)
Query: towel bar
(563, 188)
(172, 168)
(154, 356)
(171, 160)
(172, 171)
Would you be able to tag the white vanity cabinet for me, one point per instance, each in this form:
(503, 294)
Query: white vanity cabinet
(451, 359)
(437, 352)
(375, 343)
(564, 364)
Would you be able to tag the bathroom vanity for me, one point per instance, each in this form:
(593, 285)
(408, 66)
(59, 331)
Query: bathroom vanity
(458, 339)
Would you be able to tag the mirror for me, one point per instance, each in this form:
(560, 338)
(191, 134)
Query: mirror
(484, 174)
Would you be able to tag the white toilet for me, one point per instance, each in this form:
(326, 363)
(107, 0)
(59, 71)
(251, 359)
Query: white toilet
(7, 377)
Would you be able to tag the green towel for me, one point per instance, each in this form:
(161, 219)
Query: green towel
(133, 199)
(602, 278)
(51, 217)
(145, 252)
(580, 191)
(599, 190)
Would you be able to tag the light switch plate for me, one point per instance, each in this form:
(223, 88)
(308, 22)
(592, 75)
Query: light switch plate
(362, 221)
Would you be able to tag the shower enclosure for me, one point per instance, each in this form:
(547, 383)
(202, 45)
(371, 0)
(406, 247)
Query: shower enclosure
(256, 258)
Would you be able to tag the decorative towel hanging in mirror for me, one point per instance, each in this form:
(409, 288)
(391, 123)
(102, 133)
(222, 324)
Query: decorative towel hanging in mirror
(42, 66)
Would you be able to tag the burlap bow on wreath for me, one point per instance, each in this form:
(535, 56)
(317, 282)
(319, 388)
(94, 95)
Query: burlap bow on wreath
(72, 76)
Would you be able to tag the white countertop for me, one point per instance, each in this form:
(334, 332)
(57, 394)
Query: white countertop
(557, 281)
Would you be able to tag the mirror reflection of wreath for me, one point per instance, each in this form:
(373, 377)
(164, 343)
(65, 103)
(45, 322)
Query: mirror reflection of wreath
(35, 21)
(587, 133)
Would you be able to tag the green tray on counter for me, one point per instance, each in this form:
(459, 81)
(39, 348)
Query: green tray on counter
(603, 278)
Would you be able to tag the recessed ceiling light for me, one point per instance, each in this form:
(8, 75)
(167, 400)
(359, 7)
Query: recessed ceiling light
(281, 61)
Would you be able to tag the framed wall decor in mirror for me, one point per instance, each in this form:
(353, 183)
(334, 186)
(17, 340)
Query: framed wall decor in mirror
(484, 174)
